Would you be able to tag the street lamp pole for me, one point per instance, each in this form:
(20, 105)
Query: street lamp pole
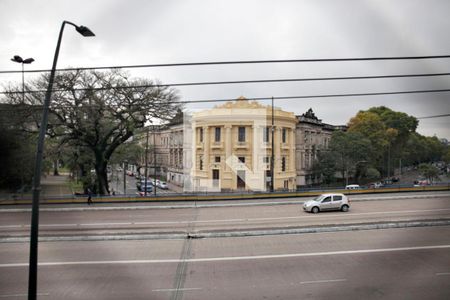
(32, 278)
(19, 60)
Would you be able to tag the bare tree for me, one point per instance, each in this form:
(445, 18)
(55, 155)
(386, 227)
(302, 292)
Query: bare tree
(99, 111)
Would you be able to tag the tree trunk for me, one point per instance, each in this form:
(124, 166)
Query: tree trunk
(102, 177)
(55, 168)
(101, 163)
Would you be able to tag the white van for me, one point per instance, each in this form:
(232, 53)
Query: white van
(352, 187)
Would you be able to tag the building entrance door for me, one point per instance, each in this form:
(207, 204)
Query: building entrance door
(241, 179)
(215, 177)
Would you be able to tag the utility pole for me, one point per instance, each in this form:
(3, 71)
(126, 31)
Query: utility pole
(154, 161)
(272, 158)
(146, 164)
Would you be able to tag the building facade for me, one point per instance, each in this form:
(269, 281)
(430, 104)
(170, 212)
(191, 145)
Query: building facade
(312, 137)
(229, 147)
(232, 148)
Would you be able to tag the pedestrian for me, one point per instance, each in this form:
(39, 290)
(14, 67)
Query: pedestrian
(89, 200)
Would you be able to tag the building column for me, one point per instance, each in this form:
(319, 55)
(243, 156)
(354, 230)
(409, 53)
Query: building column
(277, 153)
(292, 149)
(228, 146)
(206, 147)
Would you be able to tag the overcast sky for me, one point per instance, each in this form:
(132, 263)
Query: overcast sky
(132, 32)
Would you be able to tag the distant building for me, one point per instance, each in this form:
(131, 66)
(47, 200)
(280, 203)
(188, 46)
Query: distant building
(312, 136)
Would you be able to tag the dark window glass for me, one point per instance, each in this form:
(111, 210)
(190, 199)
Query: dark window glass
(266, 135)
(327, 199)
(241, 134)
(241, 159)
(201, 135)
(283, 164)
(217, 134)
(337, 198)
(217, 159)
(283, 135)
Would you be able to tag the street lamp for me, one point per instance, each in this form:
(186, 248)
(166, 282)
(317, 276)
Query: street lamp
(19, 60)
(32, 279)
(22, 61)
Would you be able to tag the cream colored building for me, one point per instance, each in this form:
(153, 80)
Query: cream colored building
(232, 148)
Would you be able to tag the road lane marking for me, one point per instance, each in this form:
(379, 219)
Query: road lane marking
(22, 295)
(238, 220)
(172, 290)
(443, 274)
(232, 220)
(323, 281)
(227, 258)
(106, 224)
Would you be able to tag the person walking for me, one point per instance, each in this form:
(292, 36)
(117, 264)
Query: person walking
(89, 199)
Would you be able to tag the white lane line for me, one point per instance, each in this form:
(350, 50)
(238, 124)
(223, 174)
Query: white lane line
(57, 225)
(323, 281)
(11, 226)
(171, 290)
(228, 258)
(106, 224)
(347, 215)
(443, 274)
(22, 295)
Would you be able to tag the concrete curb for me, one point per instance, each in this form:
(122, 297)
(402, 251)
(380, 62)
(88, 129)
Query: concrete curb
(236, 233)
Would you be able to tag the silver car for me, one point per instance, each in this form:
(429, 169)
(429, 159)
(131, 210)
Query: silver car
(326, 202)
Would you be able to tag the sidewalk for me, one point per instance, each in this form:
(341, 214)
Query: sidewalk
(54, 186)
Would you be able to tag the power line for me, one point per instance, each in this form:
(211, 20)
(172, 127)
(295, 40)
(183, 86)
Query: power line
(275, 98)
(240, 62)
(436, 116)
(243, 82)
(324, 96)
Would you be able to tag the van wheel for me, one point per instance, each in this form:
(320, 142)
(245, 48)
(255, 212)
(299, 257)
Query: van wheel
(315, 210)
(344, 208)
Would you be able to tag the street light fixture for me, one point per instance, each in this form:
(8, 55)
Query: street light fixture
(32, 279)
(19, 60)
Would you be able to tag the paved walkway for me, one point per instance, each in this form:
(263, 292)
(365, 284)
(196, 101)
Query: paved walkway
(54, 186)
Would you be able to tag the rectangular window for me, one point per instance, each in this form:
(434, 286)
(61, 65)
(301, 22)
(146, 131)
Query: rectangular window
(283, 135)
(201, 135)
(217, 134)
(241, 159)
(266, 134)
(217, 159)
(241, 134)
(201, 163)
(266, 159)
(283, 163)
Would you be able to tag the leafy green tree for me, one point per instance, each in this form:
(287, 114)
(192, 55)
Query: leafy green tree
(99, 111)
(349, 149)
(389, 132)
(325, 166)
(429, 171)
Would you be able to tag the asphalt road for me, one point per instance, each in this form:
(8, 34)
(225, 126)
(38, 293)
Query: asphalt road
(395, 263)
(103, 220)
(408, 263)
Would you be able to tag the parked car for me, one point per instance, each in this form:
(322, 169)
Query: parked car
(140, 184)
(144, 188)
(352, 187)
(376, 185)
(162, 185)
(326, 202)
